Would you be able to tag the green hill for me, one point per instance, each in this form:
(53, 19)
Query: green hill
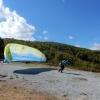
(79, 58)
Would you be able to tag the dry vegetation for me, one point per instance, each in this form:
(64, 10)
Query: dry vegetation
(9, 91)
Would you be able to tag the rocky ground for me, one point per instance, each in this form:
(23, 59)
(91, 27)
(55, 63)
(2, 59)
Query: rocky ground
(20, 81)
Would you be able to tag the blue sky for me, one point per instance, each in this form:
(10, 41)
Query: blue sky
(73, 22)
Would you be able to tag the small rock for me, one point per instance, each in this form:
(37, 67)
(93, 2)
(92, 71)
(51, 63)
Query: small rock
(17, 76)
(2, 76)
(2, 80)
(10, 77)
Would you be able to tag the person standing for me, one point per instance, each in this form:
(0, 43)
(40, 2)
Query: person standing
(62, 65)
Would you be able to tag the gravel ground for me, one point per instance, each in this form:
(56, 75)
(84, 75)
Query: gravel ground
(69, 85)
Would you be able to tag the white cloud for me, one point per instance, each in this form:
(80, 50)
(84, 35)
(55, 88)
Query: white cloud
(77, 45)
(95, 46)
(45, 32)
(14, 25)
(40, 37)
(46, 38)
(70, 37)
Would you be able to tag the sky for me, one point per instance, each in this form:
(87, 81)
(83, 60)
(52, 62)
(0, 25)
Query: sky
(72, 22)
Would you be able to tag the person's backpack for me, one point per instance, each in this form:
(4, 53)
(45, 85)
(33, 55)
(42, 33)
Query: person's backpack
(64, 62)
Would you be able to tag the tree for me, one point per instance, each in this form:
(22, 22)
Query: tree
(1, 47)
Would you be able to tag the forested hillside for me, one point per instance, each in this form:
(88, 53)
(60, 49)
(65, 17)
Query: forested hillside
(79, 58)
(1, 48)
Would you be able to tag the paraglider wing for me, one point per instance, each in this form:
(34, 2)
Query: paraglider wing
(18, 52)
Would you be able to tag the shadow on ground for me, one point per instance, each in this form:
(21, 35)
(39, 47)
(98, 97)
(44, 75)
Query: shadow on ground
(73, 73)
(33, 71)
